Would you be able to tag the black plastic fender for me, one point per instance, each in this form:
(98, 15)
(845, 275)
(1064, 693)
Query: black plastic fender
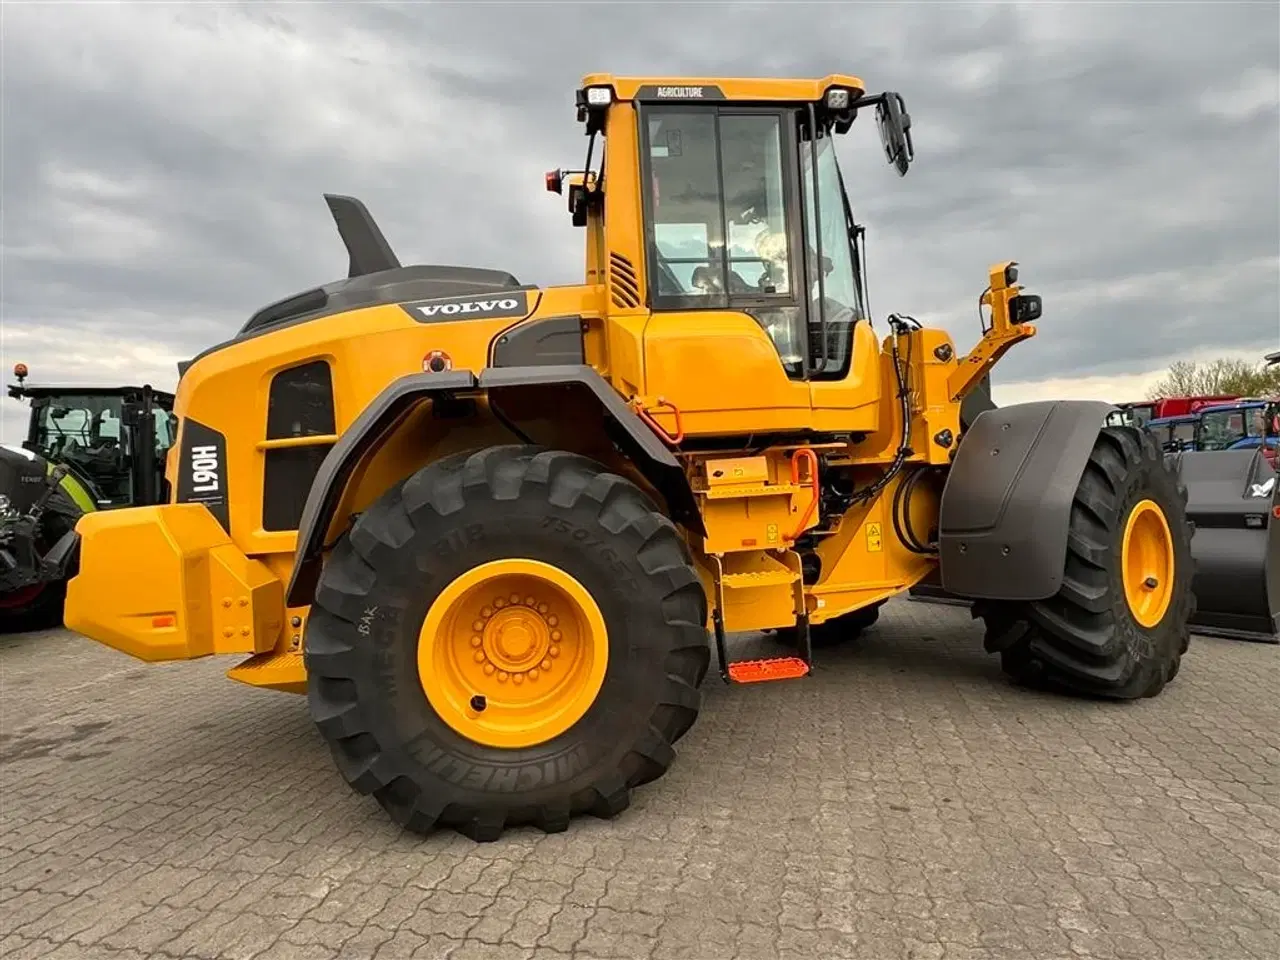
(654, 459)
(1006, 506)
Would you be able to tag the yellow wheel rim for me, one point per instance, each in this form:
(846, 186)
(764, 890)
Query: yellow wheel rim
(512, 653)
(1146, 561)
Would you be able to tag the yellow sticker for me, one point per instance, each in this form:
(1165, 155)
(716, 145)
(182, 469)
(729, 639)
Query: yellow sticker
(771, 533)
(873, 538)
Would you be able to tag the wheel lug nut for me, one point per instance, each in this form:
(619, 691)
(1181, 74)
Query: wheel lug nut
(476, 641)
(533, 674)
(499, 603)
(555, 636)
(530, 602)
(517, 679)
(515, 598)
(552, 621)
(478, 625)
(554, 651)
(502, 676)
(543, 608)
(487, 612)
(488, 669)
(479, 655)
(545, 665)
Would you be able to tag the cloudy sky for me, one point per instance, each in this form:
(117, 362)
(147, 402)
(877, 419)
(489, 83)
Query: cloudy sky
(163, 164)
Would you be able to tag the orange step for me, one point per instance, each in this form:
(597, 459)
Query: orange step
(775, 668)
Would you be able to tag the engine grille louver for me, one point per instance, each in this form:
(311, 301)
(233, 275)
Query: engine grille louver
(626, 291)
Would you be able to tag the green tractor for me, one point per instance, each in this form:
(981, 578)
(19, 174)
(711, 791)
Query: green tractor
(86, 449)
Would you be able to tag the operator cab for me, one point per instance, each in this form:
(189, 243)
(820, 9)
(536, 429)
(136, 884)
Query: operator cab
(744, 206)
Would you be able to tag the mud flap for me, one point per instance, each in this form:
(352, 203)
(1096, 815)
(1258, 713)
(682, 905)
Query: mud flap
(1232, 498)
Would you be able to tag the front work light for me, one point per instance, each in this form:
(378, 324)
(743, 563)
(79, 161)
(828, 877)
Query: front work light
(599, 96)
(837, 98)
(1025, 308)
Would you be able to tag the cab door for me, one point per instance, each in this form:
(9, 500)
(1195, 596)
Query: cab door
(721, 213)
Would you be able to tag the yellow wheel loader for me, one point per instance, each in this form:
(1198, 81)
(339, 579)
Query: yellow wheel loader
(493, 530)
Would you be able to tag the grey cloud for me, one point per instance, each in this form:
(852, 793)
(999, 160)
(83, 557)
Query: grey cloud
(1098, 145)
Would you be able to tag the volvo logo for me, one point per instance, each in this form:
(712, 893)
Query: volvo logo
(513, 304)
(467, 307)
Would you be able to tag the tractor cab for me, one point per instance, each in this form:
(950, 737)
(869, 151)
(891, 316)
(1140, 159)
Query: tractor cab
(1243, 424)
(113, 440)
(1174, 433)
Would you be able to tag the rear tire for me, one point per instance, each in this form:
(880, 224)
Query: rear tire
(1086, 639)
(365, 689)
(38, 608)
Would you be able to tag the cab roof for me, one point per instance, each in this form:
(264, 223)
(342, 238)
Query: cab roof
(44, 391)
(1249, 403)
(724, 88)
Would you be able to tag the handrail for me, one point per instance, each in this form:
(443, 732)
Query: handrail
(643, 412)
(812, 458)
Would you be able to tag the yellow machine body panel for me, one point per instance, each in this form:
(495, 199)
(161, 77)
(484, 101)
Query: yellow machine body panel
(167, 583)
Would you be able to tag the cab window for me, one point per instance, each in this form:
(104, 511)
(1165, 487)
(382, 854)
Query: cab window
(720, 229)
(721, 218)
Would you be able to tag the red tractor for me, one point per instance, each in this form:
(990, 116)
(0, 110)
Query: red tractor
(1146, 410)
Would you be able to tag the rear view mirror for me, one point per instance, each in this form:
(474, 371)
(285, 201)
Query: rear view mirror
(895, 131)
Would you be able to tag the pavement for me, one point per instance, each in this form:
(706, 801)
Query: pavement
(904, 802)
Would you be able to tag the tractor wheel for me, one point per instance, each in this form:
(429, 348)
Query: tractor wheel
(836, 631)
(509, 636)
(1117, 627)
(37, 607)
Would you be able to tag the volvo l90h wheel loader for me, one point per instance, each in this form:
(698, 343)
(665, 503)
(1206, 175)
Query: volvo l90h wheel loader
(494, 530)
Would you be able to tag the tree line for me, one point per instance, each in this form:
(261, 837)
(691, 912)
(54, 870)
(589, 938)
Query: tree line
(1230, 376)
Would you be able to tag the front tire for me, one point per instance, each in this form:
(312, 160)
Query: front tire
(1118, 626)
(594, 585)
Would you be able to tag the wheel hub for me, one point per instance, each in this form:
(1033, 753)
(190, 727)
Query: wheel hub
(517, 639)
(512, 653)
(1146, 563)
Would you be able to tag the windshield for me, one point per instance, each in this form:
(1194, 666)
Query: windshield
(1219, 429)
(70, 425)
(828, 232)
(1142, 413)
(86, 432)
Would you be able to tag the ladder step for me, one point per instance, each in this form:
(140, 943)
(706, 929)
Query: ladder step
(737, 491)
(758, 578)
(775, 668)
